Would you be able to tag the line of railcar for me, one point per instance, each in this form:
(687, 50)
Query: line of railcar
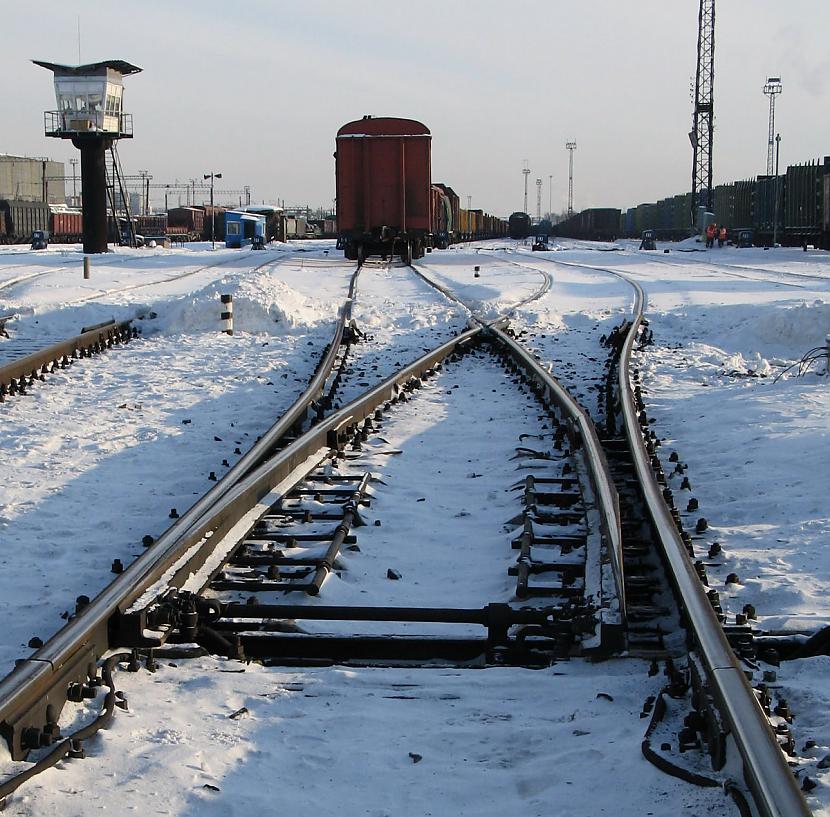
(595, 224)
(798, 200)
(387, 203)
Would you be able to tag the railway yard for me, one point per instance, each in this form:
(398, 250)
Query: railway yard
(390, 547)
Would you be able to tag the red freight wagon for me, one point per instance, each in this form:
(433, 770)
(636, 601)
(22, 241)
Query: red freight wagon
(68, 224)
(383, 171)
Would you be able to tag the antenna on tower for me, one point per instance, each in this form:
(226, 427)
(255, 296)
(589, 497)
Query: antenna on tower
(772, 88)
(570, 147)
(703, 123)
(526, 173)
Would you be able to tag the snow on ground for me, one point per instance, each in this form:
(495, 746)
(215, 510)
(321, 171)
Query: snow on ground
(340, 742)
(755, 453)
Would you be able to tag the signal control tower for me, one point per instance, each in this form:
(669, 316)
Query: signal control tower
(90, 113)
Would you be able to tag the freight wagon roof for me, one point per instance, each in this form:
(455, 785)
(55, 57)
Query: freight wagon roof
(383, 126)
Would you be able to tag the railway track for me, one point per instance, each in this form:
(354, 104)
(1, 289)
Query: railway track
(588, 514)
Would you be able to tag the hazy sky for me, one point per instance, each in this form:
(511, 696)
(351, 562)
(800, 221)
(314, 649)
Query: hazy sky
(257, 89)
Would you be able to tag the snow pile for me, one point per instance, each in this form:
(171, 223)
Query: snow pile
(262, 304)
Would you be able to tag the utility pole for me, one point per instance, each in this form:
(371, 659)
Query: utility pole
(538, 200)
(772, 88)
(525, 173)
(703, 123)
(570, 147)
(145, 177)
(74, 162)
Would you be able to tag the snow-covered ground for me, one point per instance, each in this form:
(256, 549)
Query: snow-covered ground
(96, 457)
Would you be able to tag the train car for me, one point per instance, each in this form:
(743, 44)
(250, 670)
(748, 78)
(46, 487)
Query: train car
(383, 180)
(22, 218)
(242, 229)
(455, 211)
(595, 224)
(66, 225)
(213, 226)
(186, 221)
(804, 203)
(154, 225)
(519, 225)
(442, 223)
(296, 227)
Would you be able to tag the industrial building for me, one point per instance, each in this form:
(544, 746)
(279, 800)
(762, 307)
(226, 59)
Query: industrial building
(32, 179)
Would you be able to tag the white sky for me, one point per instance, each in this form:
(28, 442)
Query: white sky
(257, 90)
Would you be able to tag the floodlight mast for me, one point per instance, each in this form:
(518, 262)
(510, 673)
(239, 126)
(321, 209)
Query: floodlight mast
(702, 134)
(570, 147)
(525, 173)
(772, 88)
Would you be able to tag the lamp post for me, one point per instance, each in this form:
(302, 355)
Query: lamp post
(775, 216)
(212, 176)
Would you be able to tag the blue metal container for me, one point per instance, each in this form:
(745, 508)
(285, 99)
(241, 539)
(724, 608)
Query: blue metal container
(241, 228)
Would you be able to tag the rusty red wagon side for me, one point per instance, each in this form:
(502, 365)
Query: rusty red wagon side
(383, 172)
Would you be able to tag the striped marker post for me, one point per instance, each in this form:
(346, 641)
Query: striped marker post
(226, 316)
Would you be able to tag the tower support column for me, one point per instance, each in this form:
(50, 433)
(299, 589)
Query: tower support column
(94, 184)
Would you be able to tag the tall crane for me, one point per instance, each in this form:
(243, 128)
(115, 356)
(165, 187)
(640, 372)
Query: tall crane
(703, 125)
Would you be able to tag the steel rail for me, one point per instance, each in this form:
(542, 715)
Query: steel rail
(767, 775)
(65, 658)
(44, 676)
(33, 365)
(601, 481)
(599, 473)
(546, 285)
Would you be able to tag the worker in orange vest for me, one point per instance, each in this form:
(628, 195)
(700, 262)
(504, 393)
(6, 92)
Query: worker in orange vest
(722, 236)
(710, 236)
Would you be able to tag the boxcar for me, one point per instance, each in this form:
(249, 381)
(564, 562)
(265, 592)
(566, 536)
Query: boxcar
(455, 211)
(190, 220)
(383, 179)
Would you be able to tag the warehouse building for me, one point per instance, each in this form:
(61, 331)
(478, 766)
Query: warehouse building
(27, 179)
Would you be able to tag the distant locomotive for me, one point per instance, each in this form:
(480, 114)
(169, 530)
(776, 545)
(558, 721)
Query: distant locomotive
(519, 225)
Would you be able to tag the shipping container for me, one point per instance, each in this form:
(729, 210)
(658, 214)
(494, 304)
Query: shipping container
(383, 179)
(241, 228)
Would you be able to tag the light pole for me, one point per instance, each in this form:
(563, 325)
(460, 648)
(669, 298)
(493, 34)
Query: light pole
(526, 173)
(775, 217)
(212, 176)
